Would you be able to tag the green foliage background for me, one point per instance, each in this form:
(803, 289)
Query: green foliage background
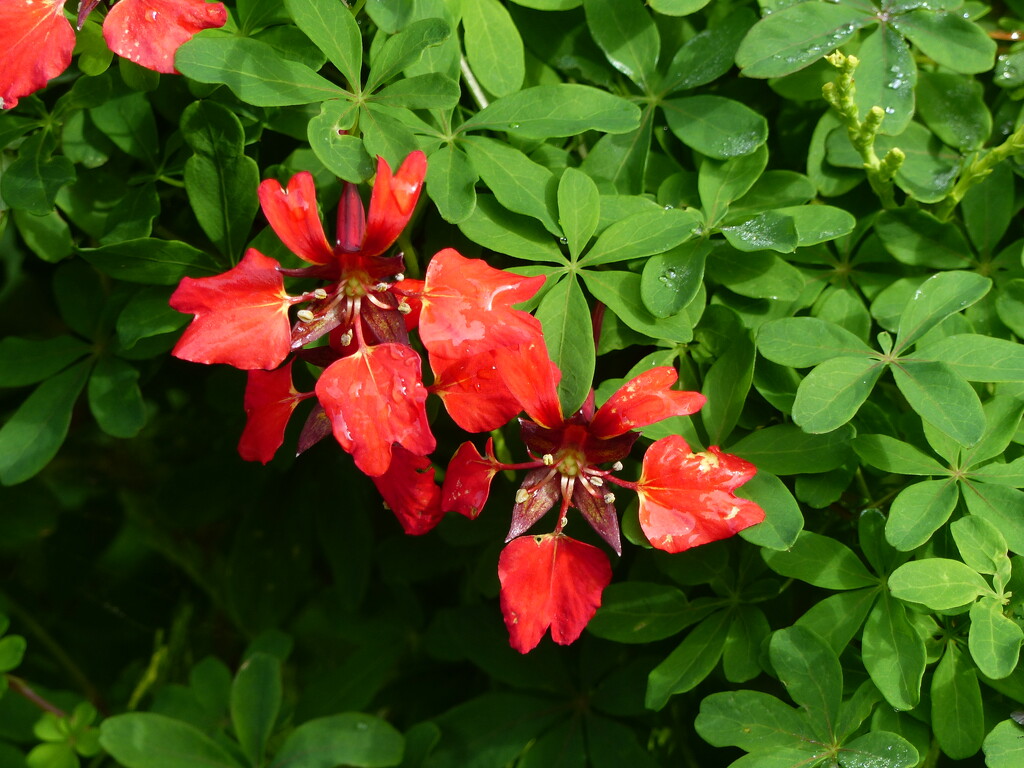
(840, 273)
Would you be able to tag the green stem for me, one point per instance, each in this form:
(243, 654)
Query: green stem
(22, 688)
(81, 681)
(472, 84)
(980, 166)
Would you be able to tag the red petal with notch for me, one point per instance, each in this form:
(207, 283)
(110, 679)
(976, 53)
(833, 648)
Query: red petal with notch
(374, 398)
(409, 489)
(686, 498)
(550, 581)
(270, 400)
(294, 217)
(35, 46)
(393, 201)
(467, 482)
(473, 392)
(645, 400)
(149, 32)
(467, 307)
(241, 316)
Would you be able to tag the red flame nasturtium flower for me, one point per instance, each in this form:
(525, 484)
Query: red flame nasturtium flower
(686, 499)
(36, 40)
(370, 394)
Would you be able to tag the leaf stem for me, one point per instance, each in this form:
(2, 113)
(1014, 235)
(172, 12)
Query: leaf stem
(473, 84)
(981, 165)
(23, 689)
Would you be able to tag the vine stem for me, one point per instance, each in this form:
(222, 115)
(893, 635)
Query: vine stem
(473, 84)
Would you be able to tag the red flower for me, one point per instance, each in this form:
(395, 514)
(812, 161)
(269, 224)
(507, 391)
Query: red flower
(550, 581)
(270, 399)
(409, 489)
(686, 498)
(36, 40)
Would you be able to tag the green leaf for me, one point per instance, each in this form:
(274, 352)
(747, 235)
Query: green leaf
(719, 183)
(568, 332)
(385, 133)
(938, 583)
(432, 90)
(941, 398)
(518, 183)
(752, 721)
(405, 49)
(640, 612)
(220, 179)
(672, 279)
(785, 449)
(917, 238)
(47, 236)
(953, 107)
(919, 511)
(978, 358)
(620, 291)
(937, 298)
(451, 183)
(801, 342)
(981, 545)
(892, 455)
(642, 234)
(628, 37)
(894, 653)
(115, 399)
(1003, 746)
(32, 182)
(998, 505)
(818, 223)
(12, 650)
(255, 701)
(547, 111)
(958, 721)
(146, 740)
(782, 519)
(792, 38)
(770, 230)
(878, 749)
(715, 126)
(621, 159)
(26, 361)
(747, 633)
(254, 71)
(351, 738)
(690, 662)
(128, 121)
(831, 394)
(34, 433)
(886, 78)
(150, 260)
(708, 55)
(342, 154)
(493, 46)
(756, 275)
(988, 209)
(838, 617)
(995, 639)
(949, 39)
(821, 561)
(579, 209)
(810, 670)
(134, 214)
(495, 227)
(331, 27)
(147, 314)
(726, 386)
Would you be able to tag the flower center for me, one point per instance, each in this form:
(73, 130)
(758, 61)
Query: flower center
(570, 461)
(355, 284)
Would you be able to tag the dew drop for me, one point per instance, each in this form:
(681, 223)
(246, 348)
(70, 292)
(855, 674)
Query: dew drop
(563, 240)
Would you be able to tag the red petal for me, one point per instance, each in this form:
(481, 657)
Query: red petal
(533, 380)
(149, 32)
(467, 482)
(686, 499)
(270, 400)
(473, 393)
(351, 219)
(374, 399)
(411, 290)
(392, 202)
(645, 400)
(467, 307)
(241, 316)
(35, 46)
(551, 581)
(543, 489)
(409, 489)
(293, 215)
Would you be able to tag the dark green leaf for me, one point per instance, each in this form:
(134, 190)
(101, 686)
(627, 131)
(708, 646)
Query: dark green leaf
(493, 46)
(770, 230)
(690, 662)
(115, 399)
(150, 261)
(128, 121)
(918, 511)
(451, 183)
(255, 701)
(642, 234)
(937, 298)
(405, 48)
(892, 455)
(801, 342)
(27, 361)
(47, 236)
(752, 721)
(672, 279)
(916, 237)
(894, 653)
(579, 209)
(34, 433)
(497, 228)
(785, 449)
(708, 55)
(428, 91)
(722, 182)
(878, 749)
(620, 291)
(569, 335)
(810, 670)
(518, 183)
(756, 275)
(998, 505)
(949, 39)
(726, 385)
(331, 27)
(628, 37)
(954, 108)
(886, 78)
(839, 617)
(958, 721)
(782, 518)
(341, 153)
(146, 740)
(821, 561)
(941, 398)
(832, 393)
(32, 182)
(640, 612)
